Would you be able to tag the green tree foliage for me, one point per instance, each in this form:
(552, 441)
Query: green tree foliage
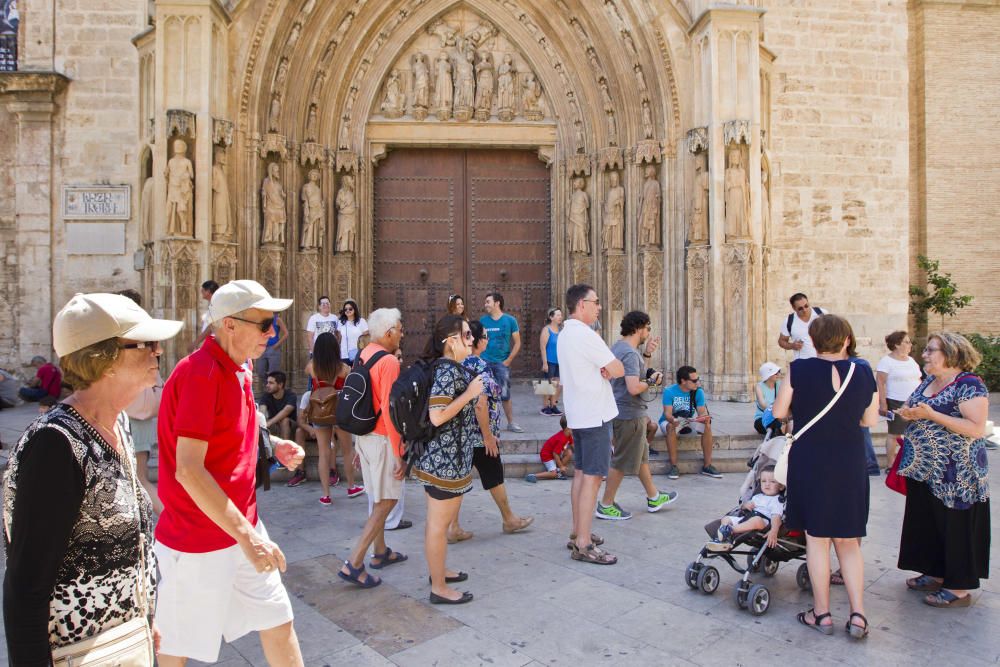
(939, 295)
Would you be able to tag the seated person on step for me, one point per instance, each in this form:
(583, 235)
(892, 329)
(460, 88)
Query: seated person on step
(685, 411)
(556, 454)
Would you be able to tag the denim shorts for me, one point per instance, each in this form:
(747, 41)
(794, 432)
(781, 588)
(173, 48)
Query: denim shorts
(501, 374)
(553, 372)
(592, 449)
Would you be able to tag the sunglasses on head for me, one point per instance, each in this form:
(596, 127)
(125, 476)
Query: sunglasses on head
(264, 325)
(467, 335)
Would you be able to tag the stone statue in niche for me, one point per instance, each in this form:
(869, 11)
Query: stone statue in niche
(649, 210)
(347, 216)
(579, 218)
(180, 192)
(293, 37)
(222, 215)
(272, 195)
(613, 236)
(442, 87)
(421, 85)
(612, 129)
(345, 133)
(609, 106)
(465, 85)
(274, 114)
(765, 198)
(699, 207)
(647, 120)
(505, 88)
(394, 103)
(146, 211)
(311, 120)
(531, 93)
(282, 74)
(313, 227)
(640, 78)
(481, 33)
(737, 196)
(485, 75)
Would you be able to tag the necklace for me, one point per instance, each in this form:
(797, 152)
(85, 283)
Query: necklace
(92, 420)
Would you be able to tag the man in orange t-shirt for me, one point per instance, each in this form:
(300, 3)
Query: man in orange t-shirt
(380, 452)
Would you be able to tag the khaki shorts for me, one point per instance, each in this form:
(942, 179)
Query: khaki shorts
(377, 462)
(631, 446)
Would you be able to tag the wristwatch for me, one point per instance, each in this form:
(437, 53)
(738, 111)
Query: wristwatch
(648, 356)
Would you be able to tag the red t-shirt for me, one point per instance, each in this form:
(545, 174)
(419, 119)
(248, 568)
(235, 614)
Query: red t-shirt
(51, 379)
(204, 399)
(555, 445)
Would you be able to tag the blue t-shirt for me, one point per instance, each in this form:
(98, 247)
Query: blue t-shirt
(681, 400)
(273, 340)
(499, 331)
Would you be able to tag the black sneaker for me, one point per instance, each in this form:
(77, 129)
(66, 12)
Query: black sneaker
(710, 471)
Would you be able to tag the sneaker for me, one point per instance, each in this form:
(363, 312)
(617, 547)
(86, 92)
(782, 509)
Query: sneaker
(545, 411)
(661, 501)
(555, 411)
(612, 512)
(530, 478)
(724, 534)
(514, 428)
(297, 478)
(355, 491)
(334, 478)
(325, 500)
(710, 471)
(673, 473)
(560, 475)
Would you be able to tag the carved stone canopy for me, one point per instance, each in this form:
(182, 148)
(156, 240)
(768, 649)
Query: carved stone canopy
(697, 139)
(649, 151)
(611, 158)
(312, 153)
(579, 165)
(222, 132)
(736, 131)
(180, 122)
(274, 143)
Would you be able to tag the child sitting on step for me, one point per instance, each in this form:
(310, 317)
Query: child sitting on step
(556, 454)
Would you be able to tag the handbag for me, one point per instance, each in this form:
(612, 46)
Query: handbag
(127, 645)
(781, 467)
(893, 479)
(544, 387)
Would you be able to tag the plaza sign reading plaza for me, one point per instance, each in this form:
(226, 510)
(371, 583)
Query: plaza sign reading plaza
(96, 202)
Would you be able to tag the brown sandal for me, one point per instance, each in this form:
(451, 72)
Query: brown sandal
(596, 539)
(460, 537)
(592, 554)
(521, 523)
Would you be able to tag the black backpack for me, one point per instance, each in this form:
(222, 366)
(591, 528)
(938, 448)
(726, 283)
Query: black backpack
(408, 407)
(788, 322)
(356, 406)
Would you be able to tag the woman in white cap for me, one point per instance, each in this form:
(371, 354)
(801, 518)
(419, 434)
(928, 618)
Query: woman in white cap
(79, 527)
(765, 391)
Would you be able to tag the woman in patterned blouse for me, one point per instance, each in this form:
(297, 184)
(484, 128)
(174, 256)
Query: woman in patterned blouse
(946, 527)
(445, 468)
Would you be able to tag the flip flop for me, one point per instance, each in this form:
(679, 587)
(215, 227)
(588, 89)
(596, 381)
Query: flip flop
(522, 523)
(387, 559)
(817, 621)
(945, 598)
(924, 584)
(355, 576)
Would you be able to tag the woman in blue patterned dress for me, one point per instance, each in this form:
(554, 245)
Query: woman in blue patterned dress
(946, 527)
(445, 468)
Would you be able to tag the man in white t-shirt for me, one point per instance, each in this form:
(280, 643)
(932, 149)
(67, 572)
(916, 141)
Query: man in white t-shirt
(322, 321)
(586, 366)
(795, 329)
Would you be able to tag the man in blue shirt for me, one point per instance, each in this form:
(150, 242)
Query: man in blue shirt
(685, 411)
(504, 344)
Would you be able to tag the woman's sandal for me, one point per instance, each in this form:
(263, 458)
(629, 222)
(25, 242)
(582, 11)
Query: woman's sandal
(857, 631)
(355, 576)
(591, 554)
(595, 539)
(386, 559)
(461, 576)
(521, 523)
(454, 538)
(944, 599)
(817, 621)
(924, 584)
(836, 578)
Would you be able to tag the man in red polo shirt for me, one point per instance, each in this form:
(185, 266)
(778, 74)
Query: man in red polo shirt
(219, 572)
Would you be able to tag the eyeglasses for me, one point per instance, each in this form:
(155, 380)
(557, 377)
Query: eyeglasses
(595, 300)
(929, 349)
(801, 308)
(265, 324)
(466, 334)
(153, 345)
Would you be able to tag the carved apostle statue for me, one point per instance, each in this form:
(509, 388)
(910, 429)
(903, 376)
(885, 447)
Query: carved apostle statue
(737, 196)
(146, 209)
(421, 86)
(699, 205)
(614, 215)
(442, 87)
(579, 218)
(505, 88)
(311, 120)
(465, 85)
(180, 192)
(647, 120)
(347, 216)
(485, 74)
(274, 114)
(649, 210)
(273, 202)
(531, 92)
(222, 215)
(394, 103)
(313, 218)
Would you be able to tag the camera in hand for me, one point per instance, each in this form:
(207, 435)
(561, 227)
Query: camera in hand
(653, 376)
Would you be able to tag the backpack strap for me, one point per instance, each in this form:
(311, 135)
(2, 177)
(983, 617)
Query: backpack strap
(371, 361)
(819, 311)
(788, 323)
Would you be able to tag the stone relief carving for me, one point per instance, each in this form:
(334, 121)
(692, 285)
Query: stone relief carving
(293, 37)
(224, 263)
(648, 151)
(579, 218)
(347, 216)
(640, 79)
(317, 86)
(281, 75)
(146, 210)
(611, 158)
(180, 122)
(613, 231)
(649, 210)
(443, 90)
(653, 273)
(270, 269)
(393, 101)
(223, 226)
(421, 85)
(578, 165)
(616, 281)
(273, 203)
(697, 139)
(737, 196)
(311, 120)
(736, 131)
(465, 86)
(765, 198)
(647, 120)
(273, 143)
(485, 76)
(180, 192)
(313, 217)
(274, 113)
(222, 132)
(506, 75)
(531, 93)
(697, 261)
(699, 205)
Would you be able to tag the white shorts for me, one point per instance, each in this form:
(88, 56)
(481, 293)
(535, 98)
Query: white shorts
(203, 598)
(377, 461)
(550, 466)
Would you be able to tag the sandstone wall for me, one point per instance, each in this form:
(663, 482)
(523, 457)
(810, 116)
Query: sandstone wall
(8, 242)
(841, 163)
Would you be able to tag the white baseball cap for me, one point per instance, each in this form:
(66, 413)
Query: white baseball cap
(238, 295)
(91, 318)
(767, 369)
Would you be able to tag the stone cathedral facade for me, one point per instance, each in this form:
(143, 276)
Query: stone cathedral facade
(695, 160)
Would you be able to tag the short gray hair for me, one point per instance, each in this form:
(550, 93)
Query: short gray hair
(381, 320)
(38, 359)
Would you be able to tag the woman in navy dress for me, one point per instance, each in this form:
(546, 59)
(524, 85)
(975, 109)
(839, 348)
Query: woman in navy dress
(827, 493)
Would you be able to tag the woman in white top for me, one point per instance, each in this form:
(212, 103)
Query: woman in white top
(352, 327)
(897, 376)
(321, 322)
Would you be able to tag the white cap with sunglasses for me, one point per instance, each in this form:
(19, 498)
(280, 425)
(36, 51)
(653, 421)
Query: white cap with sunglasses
(91, 318)
(239, 295)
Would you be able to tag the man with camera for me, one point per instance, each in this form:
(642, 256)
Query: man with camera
(631, 455)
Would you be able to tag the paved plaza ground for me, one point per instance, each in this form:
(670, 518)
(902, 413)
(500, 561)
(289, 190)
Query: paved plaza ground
(536, 606)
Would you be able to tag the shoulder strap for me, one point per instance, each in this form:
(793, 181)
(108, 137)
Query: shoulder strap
(819, 311)
(788, 323)
(128, 461)
(836, 397)
(373, 359)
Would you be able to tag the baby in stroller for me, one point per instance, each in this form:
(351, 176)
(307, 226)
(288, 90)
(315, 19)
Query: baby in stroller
(762, 512)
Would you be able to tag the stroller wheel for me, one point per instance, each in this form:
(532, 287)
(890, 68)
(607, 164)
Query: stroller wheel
(691, 574)
(741, 593)
(770, 566)
(759, 599)
(802, 577)
(708, 580)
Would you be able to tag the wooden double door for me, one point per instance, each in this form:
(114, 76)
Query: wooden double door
(463, 222)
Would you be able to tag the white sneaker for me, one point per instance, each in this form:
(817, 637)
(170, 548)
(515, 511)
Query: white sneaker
(514, 428)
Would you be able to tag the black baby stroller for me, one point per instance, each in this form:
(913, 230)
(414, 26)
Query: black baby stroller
(753, 545)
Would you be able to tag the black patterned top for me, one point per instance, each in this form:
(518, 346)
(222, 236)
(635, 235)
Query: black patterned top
(72, 536)
(447, 461)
